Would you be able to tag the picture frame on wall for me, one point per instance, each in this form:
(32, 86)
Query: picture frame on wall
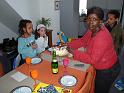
(57, 5)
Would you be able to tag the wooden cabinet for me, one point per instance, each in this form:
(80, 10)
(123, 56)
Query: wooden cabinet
(49, 34)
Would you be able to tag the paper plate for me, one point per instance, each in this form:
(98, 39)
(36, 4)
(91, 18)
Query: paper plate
(35, 60)
(68, 80)
(22, 89)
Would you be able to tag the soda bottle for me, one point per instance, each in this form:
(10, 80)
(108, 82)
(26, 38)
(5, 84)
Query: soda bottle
(54, 63)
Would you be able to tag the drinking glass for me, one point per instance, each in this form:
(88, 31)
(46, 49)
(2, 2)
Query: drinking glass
(34, 75)
(28, 62)
(65, 63)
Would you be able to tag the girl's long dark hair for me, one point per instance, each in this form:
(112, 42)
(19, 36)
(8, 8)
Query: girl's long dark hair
(22, 24)
(37, 35)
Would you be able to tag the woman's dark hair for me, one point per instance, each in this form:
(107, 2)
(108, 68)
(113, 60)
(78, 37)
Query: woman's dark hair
(115, 13)
(22, 24)
(96, 10)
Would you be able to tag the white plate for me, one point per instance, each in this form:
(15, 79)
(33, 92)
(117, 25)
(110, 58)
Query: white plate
(22, 89)
(68, 80)
(35, 60)
(50, 49)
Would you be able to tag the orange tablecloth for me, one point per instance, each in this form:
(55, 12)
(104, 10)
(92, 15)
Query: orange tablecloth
(46, 76)
(88, 86)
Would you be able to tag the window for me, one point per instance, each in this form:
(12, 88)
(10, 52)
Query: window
(83, 7)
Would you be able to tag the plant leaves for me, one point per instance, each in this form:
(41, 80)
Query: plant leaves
(45, 21)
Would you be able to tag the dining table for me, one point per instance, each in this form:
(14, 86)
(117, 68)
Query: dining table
(75, 68)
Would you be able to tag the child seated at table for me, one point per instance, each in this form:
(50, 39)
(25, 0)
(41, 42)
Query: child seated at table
(26, 41)
(41, 38)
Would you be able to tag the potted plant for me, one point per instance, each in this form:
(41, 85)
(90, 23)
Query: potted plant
(44, 21)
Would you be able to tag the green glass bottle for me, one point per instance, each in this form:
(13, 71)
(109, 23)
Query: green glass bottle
(54, 64)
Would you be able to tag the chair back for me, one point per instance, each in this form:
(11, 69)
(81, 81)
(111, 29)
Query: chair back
(16, 61)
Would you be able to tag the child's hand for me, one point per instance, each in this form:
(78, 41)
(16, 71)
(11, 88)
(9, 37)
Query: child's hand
(44, 35)
(34, 46)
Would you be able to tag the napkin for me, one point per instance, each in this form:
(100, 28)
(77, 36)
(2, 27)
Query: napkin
(18, 76)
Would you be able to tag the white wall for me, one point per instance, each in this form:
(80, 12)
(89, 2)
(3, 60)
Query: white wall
(47, 10)
(6, 33)
(27, 9)
(8, 19)
(69, 17)
(35, 9)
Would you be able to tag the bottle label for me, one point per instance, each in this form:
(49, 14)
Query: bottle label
(55, 71)
(54, 66)
(54, 63)
(54, 60)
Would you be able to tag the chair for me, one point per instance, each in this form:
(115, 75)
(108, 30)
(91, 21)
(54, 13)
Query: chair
(88, 86)
(5, 63)
(16, 61)
(1, 70)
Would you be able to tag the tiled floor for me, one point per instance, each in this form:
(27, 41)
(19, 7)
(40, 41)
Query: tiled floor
(113, 89)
